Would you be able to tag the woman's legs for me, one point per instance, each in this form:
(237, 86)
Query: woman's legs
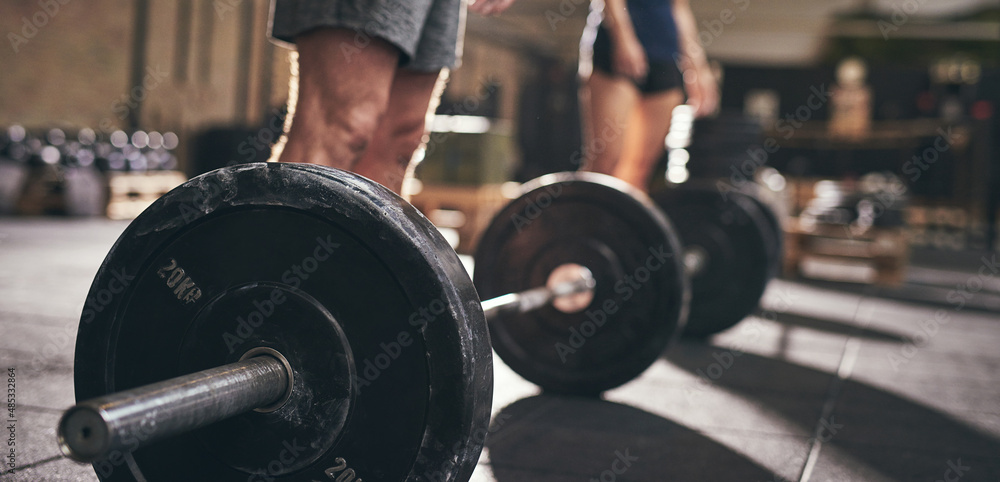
(648, 130)
(625, 129)
(609, 105)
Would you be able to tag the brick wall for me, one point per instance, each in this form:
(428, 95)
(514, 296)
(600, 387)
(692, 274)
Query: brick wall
(206, 63)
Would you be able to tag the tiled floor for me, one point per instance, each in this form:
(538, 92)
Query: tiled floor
(824, 384)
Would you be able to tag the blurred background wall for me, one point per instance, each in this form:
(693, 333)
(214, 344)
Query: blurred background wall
(205, 70)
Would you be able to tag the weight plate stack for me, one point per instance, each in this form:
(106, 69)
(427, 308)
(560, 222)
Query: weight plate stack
(751, 191)
(736, 242)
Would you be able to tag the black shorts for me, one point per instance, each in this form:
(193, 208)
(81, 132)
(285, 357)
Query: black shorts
(662, 75)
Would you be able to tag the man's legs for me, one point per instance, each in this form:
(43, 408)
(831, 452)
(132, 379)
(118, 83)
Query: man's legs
(341, 101)
(360, 114)
(412, 100)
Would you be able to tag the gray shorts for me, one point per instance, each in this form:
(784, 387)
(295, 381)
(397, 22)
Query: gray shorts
(427, 32)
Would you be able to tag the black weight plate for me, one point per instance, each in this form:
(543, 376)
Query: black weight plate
(640, 299)
(372, 308)
(776, 242)
(735, 235)
(777, 248)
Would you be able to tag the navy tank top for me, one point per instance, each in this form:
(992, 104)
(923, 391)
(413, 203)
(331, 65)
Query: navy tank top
(655, 27)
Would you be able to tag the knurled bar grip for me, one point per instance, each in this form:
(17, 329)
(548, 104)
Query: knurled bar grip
(124, 421)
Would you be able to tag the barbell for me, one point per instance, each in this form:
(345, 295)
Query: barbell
(315, 326)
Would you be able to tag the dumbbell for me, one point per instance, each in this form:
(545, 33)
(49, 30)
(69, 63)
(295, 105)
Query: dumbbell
(317, 327)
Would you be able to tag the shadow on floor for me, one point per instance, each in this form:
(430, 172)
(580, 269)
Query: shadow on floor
(550, 438)
(888, 434)
(841, 328)
(966, 286)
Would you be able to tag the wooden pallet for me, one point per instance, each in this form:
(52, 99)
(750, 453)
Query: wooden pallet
(42, 192)
(133, 192)
(466, 209)
(836, 252)
(54, 190)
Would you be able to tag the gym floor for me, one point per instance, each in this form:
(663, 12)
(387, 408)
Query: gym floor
(827, 383)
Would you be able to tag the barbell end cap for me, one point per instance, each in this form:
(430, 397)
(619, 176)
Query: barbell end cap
(83, 434)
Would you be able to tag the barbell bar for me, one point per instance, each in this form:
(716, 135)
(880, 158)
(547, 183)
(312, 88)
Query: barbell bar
(93, 429)
(262, 380)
